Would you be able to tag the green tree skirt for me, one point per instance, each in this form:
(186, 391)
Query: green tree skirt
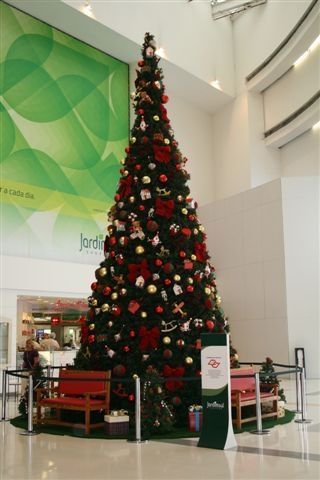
(21, 422)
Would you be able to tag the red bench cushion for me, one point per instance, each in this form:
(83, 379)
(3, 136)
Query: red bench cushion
(242, 384)
(252, 395)
(81, 386)
(76, 402)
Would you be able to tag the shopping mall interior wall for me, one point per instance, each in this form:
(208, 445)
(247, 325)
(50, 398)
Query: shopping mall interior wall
(245, 240)
(185, 30)
(300, 197)
(259, 31)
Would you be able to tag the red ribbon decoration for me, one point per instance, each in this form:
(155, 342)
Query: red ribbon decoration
(164, 208)
(137, 269)
(163, 112)
(200, 251)
(148, 338)
(125, 186)
(162, 153)
(173, 372)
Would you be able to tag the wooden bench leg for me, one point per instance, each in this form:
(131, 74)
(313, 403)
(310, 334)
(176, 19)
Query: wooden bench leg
(87, 421)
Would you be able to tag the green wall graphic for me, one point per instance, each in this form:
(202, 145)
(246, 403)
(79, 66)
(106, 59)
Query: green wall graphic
(64, 122)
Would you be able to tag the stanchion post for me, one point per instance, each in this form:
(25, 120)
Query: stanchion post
(259, 430)
(30, 430)
(4, 395)
(303, 418)
(138, 412)
(298, 390)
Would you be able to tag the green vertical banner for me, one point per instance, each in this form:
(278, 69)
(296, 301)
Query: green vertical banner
(217, 430)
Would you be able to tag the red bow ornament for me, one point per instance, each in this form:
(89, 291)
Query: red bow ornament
(161, 153)
(173, 372)
(164, 208)
(125, 186)
(148, 338)
(137, 269)
(200, 251)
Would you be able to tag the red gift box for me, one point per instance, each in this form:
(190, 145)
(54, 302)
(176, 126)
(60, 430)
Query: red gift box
(195, 421)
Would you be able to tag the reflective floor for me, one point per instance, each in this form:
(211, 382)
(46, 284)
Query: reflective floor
(290, 452)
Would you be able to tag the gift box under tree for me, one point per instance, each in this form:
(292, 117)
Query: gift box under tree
(195, 418)
(116, 424)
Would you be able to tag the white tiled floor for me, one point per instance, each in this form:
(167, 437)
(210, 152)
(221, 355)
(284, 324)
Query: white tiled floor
(290, 452)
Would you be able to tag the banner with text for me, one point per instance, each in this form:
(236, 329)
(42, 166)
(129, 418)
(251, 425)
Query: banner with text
(64, 115)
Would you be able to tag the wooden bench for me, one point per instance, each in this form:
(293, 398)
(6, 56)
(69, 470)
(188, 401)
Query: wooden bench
(243, 394)
(81, 395)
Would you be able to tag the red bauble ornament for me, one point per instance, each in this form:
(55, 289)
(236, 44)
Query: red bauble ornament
(120, 260)
(141, 63)
(132, 334)
(117, 197)
(167, 281)
(176, 401)
(140, 111)
(152, 226)
(186, 231)
(210, 325)
(116, 310)
(180, 343)
(138, 167)
(127, 149)
(91, 338)
(190, 288)
(106, 291)
(158, 262)
(112, 241)
(182, 254)
(191, 218)
(167, 354)
(126, 348)
(94, 286)
(164, 98)
(131, 397)
(112, 253)
(119, 370)
(163, 178)
(159, 309)
(142, 208)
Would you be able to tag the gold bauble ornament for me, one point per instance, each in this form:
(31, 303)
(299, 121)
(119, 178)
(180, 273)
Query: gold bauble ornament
(103, 271)
(188, 361)
(125, 173)
(179, 198)
(166, 141)
(196, 231)
(207, 291)
(193, 257)
(190, 280)
(94, 302)
(123, 292)
(156, 118)
(133, 140)
(143, 314)
(159, 390)
(145, 180)
(151, 289)
(91, 326)
(166, 340)
(105, 307)
(201, 228)
(110, 324)
(114, 296)
(123, 161)
(184, 211)
(176, 278)
(139, 250)
(132, 199)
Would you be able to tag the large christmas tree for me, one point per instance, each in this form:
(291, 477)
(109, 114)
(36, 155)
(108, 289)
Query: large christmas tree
(155, 291)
